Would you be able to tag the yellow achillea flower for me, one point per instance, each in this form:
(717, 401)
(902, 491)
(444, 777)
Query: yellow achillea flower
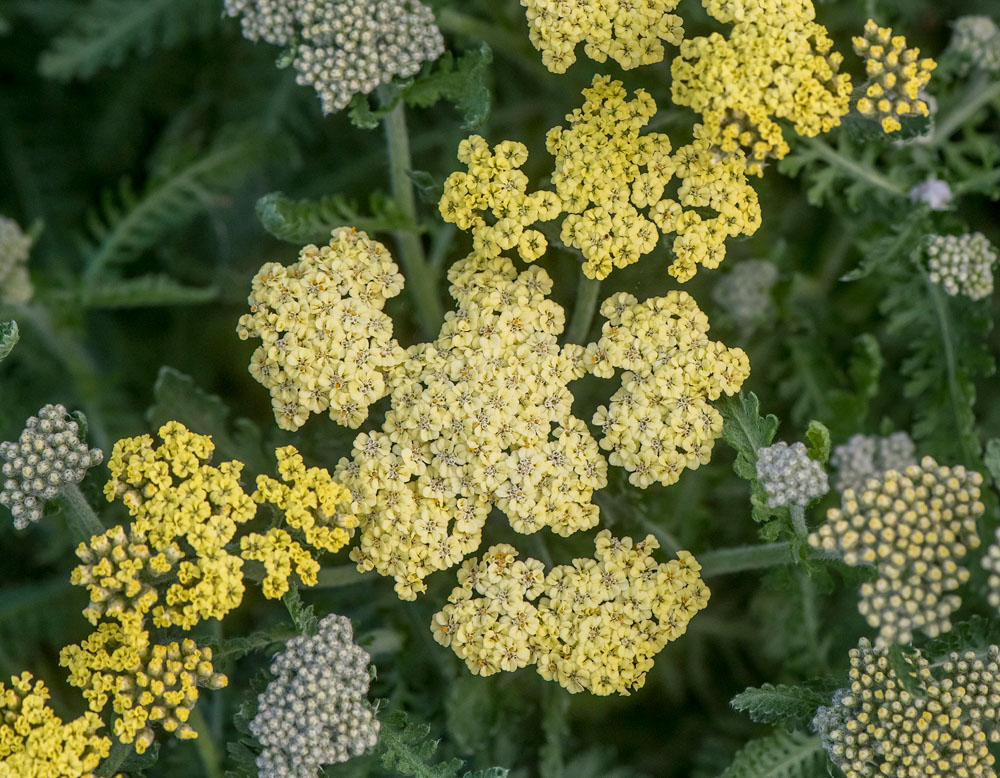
(326, 342)
(36, 742)
(914, 526)
(628, 31)
(471, 426)
(597, 623)
(777, 63)
(145, 683)
(611, 182)
(660, 420)
(896, 75)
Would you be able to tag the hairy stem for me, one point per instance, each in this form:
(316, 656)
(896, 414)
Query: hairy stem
(82, 519)
(118, 754)
(340, 575)
(725, 561)
(979, 94)
(421, 281)
(208, 751)
(587, 292)
(853, 167)
(799, 520)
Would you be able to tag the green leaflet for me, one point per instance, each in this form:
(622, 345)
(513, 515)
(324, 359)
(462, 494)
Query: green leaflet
(747, 431)
(303, 616)
(106, 32)
(142, 292)
(819, 442)
(405, 746)
(9, 335)
(781, 704)
(780, 755)
(310, 221)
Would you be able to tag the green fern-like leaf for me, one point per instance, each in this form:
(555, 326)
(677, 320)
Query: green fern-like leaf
(779, 755)
(129, 223)
(303, 616)
(8, 337)
(746, 431)
(310, 221)
(770, 704)
(461, 81)
(142, 292)
(106, 32)
(405, 746)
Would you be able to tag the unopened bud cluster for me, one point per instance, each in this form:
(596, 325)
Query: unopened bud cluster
(46, 457)
(315, 711)
(991, 563)
(868, 456)
(933, 192)
(789, 476)
(15, 245)
(896, 75)
(745, 292)
(915, 527)
(962, 264)
(937, 722)
(344, 48)
(976, 39)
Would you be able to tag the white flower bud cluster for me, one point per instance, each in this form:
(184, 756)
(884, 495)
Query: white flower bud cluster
(314, 712)
(15, 245)
(745, 292)
(934, 192)
(343, 48)
(878, 727)
(962, 264)
(991, 562)
(867, 456)
(976, 39)
(789, 476)
(915, 527)
(46, 457)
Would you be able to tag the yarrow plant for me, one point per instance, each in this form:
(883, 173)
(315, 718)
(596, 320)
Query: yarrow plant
(962, 264)
(15, 246)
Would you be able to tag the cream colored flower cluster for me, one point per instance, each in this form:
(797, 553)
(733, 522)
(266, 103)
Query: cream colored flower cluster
(777, 63)
(660, 421)
(15, 246)
(326, 342)
(597, 623)
(976, 39)
(867, 456)
(880, 726)
(471, 426)
(628, 31)
(36, 742)
(962, 264)
(915, 527)
(896, 75)
(606, 174)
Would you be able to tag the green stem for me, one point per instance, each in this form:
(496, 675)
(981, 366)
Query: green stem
(667, 541)
(118, 754)
(211, 759)
(799, 520)
(340, 575)
(854, 167)
(82, 519)
(587, 292)
(420, 280)
(725, 561)
(512, 45)
(978, 95)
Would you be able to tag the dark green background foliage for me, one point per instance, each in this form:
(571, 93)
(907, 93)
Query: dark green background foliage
(138, 137)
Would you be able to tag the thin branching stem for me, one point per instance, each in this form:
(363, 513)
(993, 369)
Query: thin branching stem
(119, 753)
(726, 561)
(208, 751)
(587, 292)
(979, 94)
(82, 519)
(853, 167)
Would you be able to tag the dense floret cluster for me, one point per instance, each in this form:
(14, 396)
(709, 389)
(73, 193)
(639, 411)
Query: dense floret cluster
(868, 456)
(789, 476)
(934, 193)
(15, 245)
(896, 76)
(744, 293)
(661, 421)
(630, 32)
(36, 742)
(326, 342)
(777, 63)
(976, 39)
(343, 49)
(315, 710)
(962, 264)
(597, 623)
(938, 722)
(914, 526)
(48, 456)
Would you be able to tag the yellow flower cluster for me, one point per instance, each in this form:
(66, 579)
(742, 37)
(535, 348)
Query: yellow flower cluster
(471, 426)
(495, 185)
(628, 31)
(326, 342)
(660, 420)
(605, 175)
(777, 63)
(597, 624)
(145, 683)
(896, 75)
(35, 742)
(882, 726)
(309, 499)
(914, 526)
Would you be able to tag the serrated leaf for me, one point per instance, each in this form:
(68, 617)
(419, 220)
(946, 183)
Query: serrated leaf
(405, 746)
(779, 755)
(143, 292)
(974, 634)
(9, 335)
(770, 704)
(461, 81)
(490, 772)
(744, 428)
(135, 763)
(311, 221)
(178, 398)
(819, 442)
(303, 616)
